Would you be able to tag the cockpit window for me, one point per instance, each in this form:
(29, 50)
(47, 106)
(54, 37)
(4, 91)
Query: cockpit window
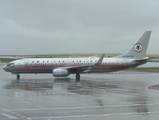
(10, 64)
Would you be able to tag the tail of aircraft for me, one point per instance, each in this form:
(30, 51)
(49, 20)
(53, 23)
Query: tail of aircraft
(138, 50)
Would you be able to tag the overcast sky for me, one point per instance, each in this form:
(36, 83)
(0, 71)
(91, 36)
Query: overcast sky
(76, 26)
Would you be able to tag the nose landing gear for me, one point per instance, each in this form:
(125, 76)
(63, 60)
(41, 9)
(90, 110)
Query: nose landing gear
(18, 77)
(77, 77)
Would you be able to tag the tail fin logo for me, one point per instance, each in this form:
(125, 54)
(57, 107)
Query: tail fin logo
(138, 47)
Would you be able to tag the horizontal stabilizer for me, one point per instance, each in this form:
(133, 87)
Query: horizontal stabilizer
(141, 60)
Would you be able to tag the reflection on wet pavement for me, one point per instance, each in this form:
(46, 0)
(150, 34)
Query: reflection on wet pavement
(30, 85)
(141, 105)
(90, 87)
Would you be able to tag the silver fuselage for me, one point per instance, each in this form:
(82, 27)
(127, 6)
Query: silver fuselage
(46, 65)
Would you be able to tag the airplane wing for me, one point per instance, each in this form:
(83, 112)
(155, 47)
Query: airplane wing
(83, 68)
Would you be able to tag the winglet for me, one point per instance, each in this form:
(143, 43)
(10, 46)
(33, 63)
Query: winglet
(100, 60)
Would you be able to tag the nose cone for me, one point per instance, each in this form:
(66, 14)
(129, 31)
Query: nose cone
(4, 67)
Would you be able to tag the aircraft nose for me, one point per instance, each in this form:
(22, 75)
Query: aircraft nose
(4, 67)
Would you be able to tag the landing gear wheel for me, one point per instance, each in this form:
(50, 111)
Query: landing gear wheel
(77, 77)
(18, 77)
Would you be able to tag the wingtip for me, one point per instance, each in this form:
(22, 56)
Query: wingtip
(100, 59)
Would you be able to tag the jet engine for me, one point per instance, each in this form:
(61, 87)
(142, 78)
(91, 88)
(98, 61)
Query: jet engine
(60, 72)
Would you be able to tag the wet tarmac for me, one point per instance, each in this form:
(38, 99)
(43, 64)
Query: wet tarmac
(120, 95)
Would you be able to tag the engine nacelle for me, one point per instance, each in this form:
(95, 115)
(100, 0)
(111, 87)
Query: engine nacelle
(60, 72)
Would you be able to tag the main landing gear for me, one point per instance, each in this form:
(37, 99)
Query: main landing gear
(18, 77)
(77, 77)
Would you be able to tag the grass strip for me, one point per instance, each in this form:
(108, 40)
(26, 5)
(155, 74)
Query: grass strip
(147, 69)
(6, 60)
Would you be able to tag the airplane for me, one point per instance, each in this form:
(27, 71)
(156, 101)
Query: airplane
(62, 67)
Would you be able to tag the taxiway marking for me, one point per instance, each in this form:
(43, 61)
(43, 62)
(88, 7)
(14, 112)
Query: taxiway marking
(9, 116)
(97, 115)
(83, 107)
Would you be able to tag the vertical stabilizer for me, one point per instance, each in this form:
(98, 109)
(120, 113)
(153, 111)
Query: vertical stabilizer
(138, 50)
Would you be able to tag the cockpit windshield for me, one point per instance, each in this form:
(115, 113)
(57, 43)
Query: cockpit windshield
(10, 64)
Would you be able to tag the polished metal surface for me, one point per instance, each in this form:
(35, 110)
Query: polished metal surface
(120, 95)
